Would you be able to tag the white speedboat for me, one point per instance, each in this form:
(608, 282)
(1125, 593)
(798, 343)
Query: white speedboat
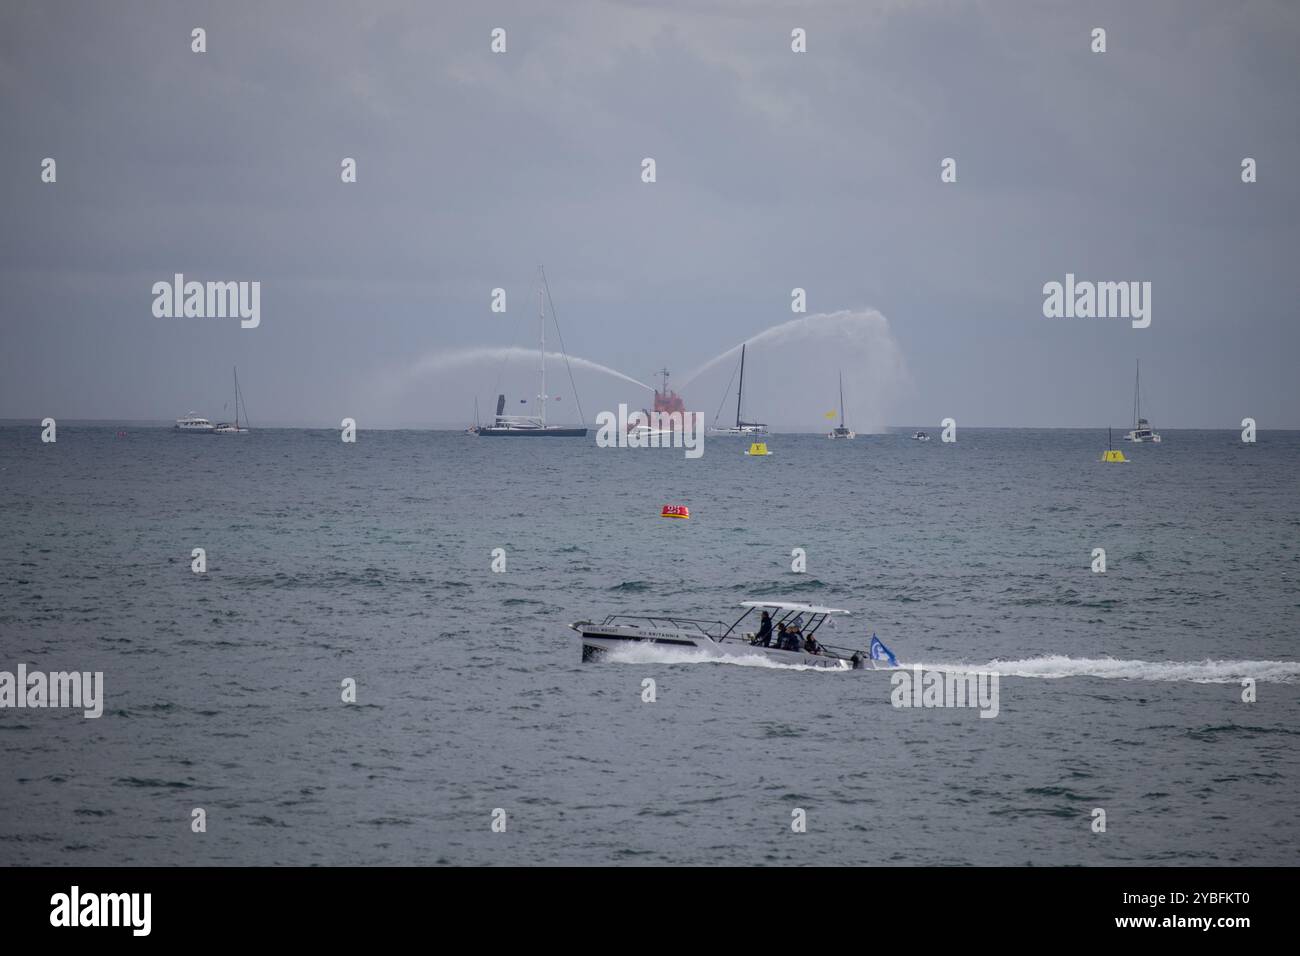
(920, 436)
(192, 423)
(1142, 430)
(716, 639)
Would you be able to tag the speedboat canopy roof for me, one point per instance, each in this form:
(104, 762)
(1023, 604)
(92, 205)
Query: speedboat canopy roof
(794, 606)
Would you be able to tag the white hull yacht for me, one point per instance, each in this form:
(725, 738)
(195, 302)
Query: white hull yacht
(741, 427)
(234, 428)
(193, 424)
(717, 640)
(1142, 430)
(840, 431)
(533, 426)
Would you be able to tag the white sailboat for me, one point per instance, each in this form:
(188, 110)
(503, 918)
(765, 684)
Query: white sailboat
(228, 428)
(1142, 430)
(741, 427)
(533, 426)
(840, 431)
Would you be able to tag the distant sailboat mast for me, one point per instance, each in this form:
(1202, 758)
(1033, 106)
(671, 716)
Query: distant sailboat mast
(541, 315)
(740, 392)
(1137, 395)
(841, 399)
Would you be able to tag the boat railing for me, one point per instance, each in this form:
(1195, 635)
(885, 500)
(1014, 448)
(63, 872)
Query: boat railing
(827, 650)
(711, 629)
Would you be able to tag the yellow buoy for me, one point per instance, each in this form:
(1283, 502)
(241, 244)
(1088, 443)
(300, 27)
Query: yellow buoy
(1113, 455)
(758, 448)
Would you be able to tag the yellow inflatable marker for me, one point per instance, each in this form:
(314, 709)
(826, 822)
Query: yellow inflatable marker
(1112, 454)
(758, 449)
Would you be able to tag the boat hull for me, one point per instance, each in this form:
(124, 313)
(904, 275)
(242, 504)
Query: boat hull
(489, 431)
(598, 644)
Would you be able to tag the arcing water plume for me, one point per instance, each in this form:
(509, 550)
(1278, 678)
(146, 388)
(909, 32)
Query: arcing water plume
(790, 378)
(791, 369)
(445, 361)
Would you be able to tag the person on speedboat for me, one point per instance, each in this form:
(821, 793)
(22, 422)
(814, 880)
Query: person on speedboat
(764, 636)
(782, 637)
(795, 638)
(811, 646)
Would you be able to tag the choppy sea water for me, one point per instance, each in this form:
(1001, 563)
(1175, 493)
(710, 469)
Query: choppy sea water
(326, 561)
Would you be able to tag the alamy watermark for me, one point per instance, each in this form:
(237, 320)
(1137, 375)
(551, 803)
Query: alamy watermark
(37, 689)
(208, 300)
(1098, 300)
(933, 688)
(75, 908)
(651, 430)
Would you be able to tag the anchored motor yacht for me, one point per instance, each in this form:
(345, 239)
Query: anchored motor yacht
(716, 639)
(193, 423)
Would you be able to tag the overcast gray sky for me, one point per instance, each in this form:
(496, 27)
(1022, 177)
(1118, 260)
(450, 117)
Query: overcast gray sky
(775, 170)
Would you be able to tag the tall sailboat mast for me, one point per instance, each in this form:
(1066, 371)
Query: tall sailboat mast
(841, 399)
(740, 392)
(236, 371)
(1137, 395)
(541, 315)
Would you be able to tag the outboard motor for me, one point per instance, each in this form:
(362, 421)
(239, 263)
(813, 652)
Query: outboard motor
(859, 661)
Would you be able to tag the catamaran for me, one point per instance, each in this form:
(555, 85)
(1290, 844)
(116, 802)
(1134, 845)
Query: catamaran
(741, 427)
(841, 431)
(1142, 430)
(227, 428)
(715, 639)
(504, 425)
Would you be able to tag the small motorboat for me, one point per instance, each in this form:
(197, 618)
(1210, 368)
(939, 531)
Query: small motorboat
(920, 436)
(716, 639)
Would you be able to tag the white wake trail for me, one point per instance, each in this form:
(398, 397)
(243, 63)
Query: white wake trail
(1208, 671)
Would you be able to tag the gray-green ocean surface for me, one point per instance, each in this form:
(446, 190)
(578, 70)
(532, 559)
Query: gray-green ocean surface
(372, 561)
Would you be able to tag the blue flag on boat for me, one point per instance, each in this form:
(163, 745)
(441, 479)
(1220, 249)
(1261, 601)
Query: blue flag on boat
(879, 652)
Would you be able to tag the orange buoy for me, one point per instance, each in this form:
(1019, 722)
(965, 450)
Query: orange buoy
(675, 511)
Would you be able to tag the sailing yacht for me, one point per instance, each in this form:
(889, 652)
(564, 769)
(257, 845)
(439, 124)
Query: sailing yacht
(741, 427)
(504, 425)
(1142, 430)
(226, 428)
(841, 431)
